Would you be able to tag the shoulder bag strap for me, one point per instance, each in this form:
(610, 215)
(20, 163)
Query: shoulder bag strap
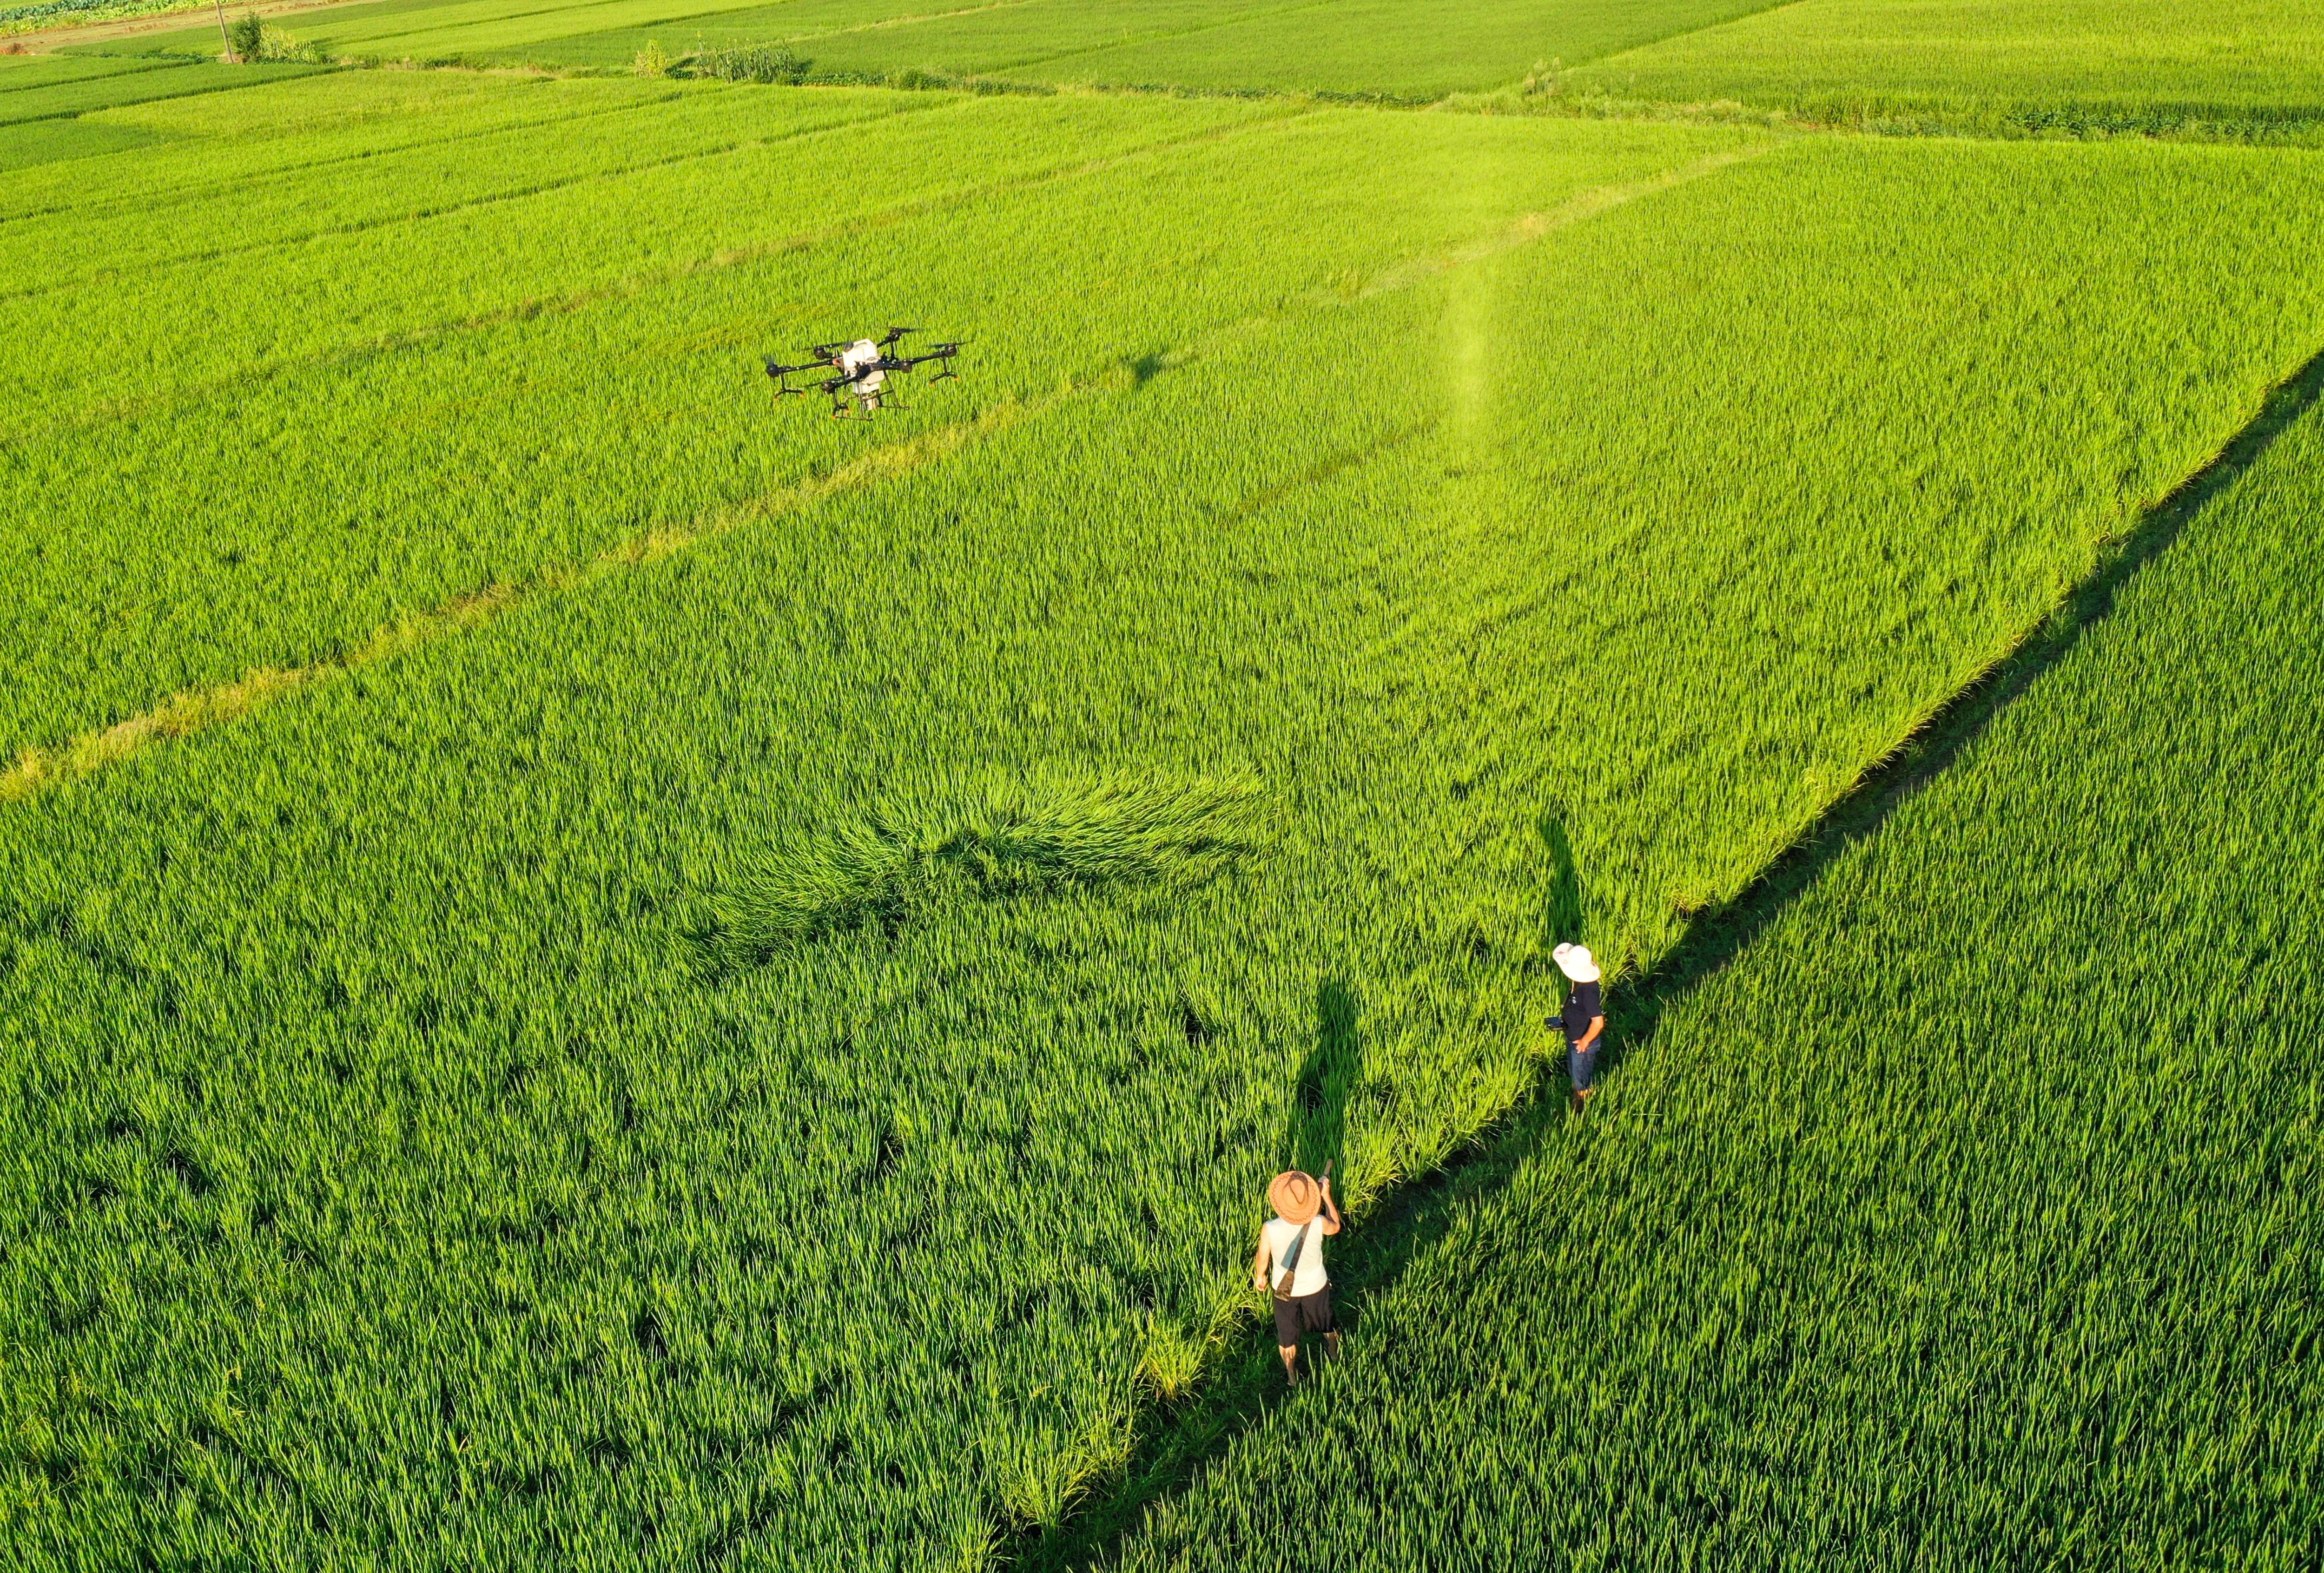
(1290, 1262)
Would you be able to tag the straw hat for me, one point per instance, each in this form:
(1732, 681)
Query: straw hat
(1295, 1196)
(1576, 963)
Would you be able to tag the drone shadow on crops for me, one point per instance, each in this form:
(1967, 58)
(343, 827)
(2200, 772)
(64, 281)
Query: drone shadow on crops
(1369, 1259)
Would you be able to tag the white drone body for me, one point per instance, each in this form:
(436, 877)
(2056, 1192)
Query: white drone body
(859, 363)
(858, 369)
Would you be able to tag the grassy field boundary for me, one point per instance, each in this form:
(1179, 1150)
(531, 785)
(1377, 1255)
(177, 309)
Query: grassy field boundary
(2193, 123)
(258, 76)
(1526, 228)
(1902, 116)
(1244, 1383)
(37, 769)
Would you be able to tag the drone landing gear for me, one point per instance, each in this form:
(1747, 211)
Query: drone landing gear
(867, 406)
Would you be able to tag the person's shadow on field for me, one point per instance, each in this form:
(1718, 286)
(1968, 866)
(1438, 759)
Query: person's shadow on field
(1562, 911)
(1562, 918)
(1332, 1068)
(1329, 1075)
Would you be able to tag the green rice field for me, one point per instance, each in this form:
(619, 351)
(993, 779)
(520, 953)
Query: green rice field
(599, 969)
(2242, 69)
(2000, 1158)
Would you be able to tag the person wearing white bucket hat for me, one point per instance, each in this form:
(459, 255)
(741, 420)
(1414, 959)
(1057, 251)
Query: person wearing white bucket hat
(1584, 1019)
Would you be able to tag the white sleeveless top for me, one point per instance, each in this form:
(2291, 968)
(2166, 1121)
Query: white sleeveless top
(1309, 1276)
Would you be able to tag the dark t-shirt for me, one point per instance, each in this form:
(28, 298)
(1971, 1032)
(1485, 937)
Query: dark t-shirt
(1581, 1009)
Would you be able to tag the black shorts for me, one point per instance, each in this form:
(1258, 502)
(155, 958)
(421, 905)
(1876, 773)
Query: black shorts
(1297, 1314)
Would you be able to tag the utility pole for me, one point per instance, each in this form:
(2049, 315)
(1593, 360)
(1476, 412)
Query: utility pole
(223, 39)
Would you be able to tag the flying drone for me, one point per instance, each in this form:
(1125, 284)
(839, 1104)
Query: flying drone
(860, 371)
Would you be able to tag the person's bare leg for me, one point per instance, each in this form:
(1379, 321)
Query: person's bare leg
(1290, 1353)
(1331, 1342)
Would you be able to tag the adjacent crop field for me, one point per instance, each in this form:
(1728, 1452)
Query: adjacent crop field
(2238, 68)
(598, 970)
(1362, 46)
(1969, 1219)
(59, 89)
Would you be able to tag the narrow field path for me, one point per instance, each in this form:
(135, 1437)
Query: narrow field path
(43, 41)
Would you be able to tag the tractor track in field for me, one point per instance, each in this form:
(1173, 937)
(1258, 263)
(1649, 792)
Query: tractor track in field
(38, 768)
(1246, 1386)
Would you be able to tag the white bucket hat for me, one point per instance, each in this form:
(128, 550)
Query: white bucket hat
(1575, 963)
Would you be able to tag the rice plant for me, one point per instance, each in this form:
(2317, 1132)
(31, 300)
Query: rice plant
(996, 839)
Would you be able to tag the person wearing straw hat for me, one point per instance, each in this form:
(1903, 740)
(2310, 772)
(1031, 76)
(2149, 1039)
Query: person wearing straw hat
(1583, 1019)
(1290, 1261)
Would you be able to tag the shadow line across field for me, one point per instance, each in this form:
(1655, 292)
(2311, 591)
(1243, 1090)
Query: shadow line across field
(1370, 1258)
